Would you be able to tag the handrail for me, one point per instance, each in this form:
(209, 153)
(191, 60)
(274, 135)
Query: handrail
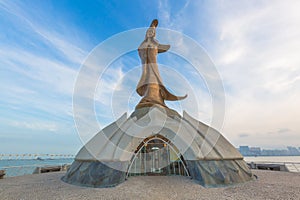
(35, 165)
(27, 156)
(13, 171)
(290, 166)
(275, 162)
(296, 167)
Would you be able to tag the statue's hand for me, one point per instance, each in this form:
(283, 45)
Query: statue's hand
(163, 48)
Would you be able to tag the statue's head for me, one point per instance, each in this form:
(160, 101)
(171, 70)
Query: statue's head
(151, 30)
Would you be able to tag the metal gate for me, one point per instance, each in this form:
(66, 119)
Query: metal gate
(157, 156)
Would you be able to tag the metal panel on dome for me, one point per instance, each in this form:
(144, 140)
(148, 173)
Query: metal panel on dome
(218, 146)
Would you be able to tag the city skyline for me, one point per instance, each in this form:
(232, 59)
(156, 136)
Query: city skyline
(258, 151)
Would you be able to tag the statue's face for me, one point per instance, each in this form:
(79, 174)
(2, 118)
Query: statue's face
(150, 32)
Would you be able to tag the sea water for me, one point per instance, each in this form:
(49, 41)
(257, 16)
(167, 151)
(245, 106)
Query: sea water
(21, 167)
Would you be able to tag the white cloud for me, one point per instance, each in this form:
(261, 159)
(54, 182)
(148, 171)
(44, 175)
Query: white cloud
(255, 46)
(58, 39)
(42, 126)
(173, 19)
(52, 73)
(257, 57)
(37, 86)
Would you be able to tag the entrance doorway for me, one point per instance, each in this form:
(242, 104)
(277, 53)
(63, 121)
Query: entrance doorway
(156, 156)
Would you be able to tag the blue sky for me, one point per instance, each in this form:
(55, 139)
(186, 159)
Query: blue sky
(255, 46)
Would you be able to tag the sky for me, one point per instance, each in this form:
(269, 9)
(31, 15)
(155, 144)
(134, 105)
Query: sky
(254, 45)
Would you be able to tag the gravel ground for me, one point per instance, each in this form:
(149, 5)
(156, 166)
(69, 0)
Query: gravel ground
(269, 185)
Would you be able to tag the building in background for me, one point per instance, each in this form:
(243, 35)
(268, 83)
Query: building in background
(257, 151)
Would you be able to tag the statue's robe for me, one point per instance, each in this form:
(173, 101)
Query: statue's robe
(150, 86)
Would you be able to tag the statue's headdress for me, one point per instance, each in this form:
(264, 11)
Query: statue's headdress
(153, 25)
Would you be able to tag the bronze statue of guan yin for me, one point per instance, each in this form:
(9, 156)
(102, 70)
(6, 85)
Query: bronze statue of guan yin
(125, 147)
(150, 86)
